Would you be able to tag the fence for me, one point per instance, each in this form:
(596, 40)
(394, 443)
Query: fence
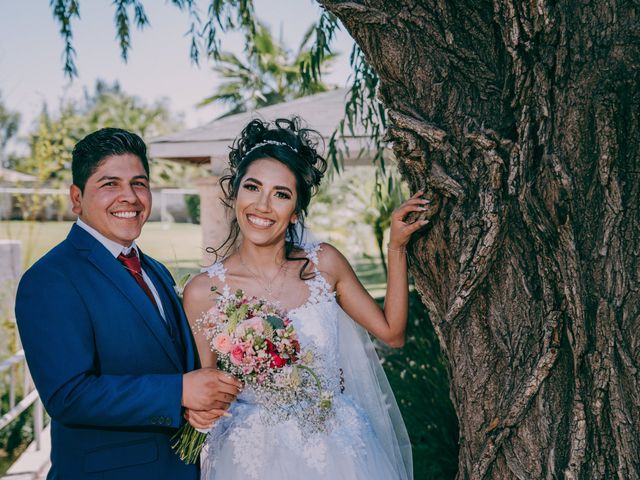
(169, 203)
(13, 369)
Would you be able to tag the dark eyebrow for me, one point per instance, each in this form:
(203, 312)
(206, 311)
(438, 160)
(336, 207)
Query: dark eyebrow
(107, 177)
(277, 187)
(253, 180)
(282, 187)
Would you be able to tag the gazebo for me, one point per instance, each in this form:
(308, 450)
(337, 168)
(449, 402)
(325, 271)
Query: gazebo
(209, 144)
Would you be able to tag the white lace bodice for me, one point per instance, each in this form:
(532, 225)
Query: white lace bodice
(315, 320)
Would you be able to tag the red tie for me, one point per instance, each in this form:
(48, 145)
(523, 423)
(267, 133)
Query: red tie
(132, 263)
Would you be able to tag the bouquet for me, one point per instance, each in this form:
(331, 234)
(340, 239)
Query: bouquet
(256, 342)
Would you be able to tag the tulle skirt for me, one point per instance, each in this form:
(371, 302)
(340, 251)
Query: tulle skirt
(248, 445)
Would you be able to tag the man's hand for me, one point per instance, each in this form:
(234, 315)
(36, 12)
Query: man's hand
(204, 419)
(209, 388)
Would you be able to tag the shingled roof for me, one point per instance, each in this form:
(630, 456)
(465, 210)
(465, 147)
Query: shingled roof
(321, 112)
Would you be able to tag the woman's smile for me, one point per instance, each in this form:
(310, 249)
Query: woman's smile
(266, 201)
(260, 221)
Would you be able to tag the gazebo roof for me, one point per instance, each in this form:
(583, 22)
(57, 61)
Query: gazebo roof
(211, 142)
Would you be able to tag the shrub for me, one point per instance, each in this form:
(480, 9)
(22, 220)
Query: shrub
(419, 378)
(193, 207)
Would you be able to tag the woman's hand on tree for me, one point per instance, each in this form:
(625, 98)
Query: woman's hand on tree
(401, 230)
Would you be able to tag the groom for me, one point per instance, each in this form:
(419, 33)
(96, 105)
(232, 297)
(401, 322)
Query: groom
(105, 337)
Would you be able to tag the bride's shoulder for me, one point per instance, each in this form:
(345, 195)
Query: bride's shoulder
(330, 259)
(201, 285)
(196, 288)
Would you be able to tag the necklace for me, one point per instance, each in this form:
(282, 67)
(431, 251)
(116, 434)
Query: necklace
(260, 279)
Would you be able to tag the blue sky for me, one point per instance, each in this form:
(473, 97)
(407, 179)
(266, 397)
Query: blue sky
(159, 65)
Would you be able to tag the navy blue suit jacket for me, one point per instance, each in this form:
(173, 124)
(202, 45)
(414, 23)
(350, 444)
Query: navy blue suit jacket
(107, 367)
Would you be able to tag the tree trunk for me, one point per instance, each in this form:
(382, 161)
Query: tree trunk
(521, 121)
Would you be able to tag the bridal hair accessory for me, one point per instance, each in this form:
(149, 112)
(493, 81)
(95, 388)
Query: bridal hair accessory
(269, 142)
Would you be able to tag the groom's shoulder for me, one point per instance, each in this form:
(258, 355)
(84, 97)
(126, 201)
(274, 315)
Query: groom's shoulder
(52, 265)
(57, 257)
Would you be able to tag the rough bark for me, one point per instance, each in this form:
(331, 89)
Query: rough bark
(521, 121)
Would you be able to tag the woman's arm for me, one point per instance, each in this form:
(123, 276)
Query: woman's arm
(197, 299)
(387, 324)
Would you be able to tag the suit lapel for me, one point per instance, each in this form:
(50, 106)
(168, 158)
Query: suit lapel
(172, 303)
(109, 266)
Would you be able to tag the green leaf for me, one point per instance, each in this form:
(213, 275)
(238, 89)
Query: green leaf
(275, 322)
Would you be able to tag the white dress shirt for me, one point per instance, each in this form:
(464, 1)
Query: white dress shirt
(116, 249)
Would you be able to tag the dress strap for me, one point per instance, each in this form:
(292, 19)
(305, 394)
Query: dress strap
(320, 290)
(217, 270)
(311, 250)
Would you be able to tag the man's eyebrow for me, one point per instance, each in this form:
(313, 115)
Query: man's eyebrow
(107, 177)
(110, 177)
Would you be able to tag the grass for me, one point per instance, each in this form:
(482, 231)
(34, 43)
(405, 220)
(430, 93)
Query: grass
(178, 245)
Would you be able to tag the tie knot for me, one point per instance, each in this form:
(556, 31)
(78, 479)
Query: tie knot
(131, 262)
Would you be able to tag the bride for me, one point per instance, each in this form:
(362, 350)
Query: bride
(275, 169)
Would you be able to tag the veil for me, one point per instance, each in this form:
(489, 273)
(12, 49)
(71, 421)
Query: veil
(366, 382)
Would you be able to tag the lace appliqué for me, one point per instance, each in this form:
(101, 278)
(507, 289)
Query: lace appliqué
(351, 431)
(218, 271)
(315, 454)
(250, 437)
(215, 270)
(319, 289)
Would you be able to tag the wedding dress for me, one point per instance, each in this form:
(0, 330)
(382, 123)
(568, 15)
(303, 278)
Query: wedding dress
(364, 439)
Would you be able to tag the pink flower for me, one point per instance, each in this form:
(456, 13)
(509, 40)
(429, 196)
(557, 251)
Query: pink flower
(222, 343)
(237, 355)
(254, 322)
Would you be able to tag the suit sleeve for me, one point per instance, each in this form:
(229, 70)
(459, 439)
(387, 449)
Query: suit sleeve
(57, 336)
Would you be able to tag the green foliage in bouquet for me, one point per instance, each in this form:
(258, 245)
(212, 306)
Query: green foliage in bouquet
(418, 376)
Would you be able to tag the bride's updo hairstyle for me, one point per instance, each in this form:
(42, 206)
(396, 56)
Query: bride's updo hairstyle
(287, 142)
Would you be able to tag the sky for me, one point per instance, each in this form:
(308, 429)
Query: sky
(31, 64)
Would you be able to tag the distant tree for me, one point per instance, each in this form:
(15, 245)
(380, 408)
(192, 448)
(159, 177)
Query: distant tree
(54, 136)
(51, 144)
(109, 106)
(268, 74)
(9, 124)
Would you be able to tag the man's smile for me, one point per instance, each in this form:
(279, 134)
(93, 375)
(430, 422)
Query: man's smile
(125, 214)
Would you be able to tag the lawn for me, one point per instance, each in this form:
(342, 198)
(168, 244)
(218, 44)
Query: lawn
(177, 245)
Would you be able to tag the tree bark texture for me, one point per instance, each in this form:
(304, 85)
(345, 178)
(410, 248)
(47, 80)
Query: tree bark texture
(520, 119)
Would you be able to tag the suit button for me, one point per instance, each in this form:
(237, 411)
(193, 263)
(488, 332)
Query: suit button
(167, 421)
(154, 420)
